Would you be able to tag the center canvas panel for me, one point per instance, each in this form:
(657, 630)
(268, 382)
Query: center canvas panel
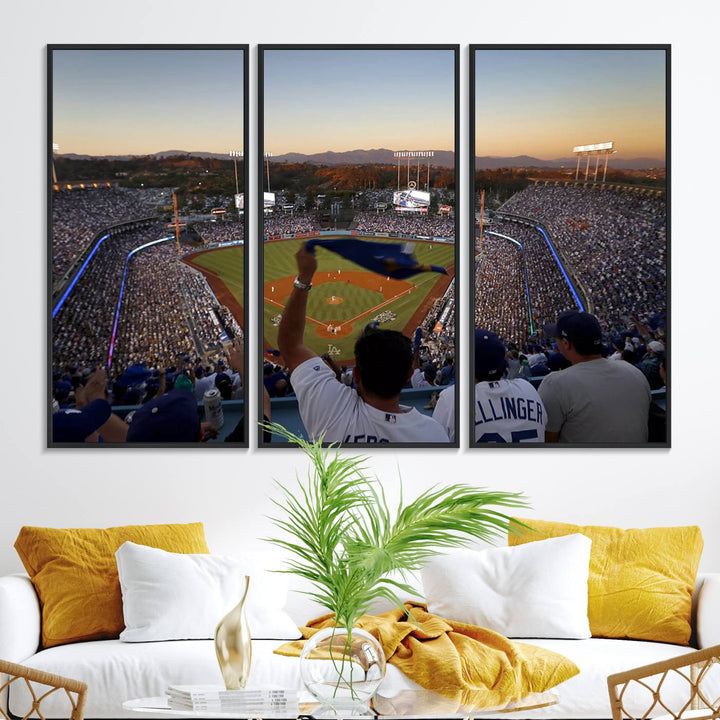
(358, 208)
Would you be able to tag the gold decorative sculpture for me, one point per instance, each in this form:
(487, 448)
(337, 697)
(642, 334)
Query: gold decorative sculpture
(233, 646)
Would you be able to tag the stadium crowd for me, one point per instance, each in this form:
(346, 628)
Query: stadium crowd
(614, 241)
(221, 231)
(500, 301)
(168, 321)
(276, 224)
(405, 223)
(611, 241)
(79, 215)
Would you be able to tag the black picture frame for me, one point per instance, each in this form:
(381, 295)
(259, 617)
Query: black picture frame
(659, 421)
(265, 440)
(57, 289)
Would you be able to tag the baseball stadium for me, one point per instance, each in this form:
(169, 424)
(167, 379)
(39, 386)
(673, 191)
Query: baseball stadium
(145, 299)
(586, 246)
(348, 297)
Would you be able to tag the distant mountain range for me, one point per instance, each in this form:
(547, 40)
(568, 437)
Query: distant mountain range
(376, 156)
(383, 156)
(491, 163)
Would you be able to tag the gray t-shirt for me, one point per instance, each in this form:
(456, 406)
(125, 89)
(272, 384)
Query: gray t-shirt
(597, 401)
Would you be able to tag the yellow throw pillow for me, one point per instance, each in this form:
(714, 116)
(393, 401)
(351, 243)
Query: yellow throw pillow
(641, 580)
(75, 574)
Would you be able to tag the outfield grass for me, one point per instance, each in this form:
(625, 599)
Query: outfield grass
(279, 262)
(229, 264)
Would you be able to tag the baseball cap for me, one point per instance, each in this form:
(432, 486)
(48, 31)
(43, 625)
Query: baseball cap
(490, 362)
(172, 417)
(134, 375)
(656, 346)
(581, 328)
(61, 389)
(75, 425)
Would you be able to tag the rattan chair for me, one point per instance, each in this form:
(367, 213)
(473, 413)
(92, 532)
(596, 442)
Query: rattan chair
(41, 685)
(694, 677)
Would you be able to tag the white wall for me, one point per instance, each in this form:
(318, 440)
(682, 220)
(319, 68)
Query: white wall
(228, 489)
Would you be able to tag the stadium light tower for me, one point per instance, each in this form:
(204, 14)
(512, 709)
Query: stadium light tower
(55, 148)
(414, 154)
(268, 155)
(598, 149)
(235, 154)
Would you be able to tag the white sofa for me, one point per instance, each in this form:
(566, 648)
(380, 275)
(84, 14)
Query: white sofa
(117, 671)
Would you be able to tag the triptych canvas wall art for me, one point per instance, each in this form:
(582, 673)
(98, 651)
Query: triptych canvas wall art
(362, 226)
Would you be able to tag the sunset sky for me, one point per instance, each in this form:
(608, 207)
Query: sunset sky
(319, 100)
(136, 102)
(544, 102)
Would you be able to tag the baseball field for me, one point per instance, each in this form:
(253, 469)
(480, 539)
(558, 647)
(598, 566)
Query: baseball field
(224, 269)
(345, 297)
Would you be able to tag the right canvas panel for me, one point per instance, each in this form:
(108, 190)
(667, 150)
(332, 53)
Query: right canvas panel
(570, 245)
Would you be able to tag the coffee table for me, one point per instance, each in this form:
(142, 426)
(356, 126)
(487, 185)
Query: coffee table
(406, 705)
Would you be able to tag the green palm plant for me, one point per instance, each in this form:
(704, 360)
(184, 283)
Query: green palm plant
(345, 540)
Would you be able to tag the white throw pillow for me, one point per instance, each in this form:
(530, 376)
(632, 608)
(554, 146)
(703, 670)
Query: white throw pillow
(176, 596)
(536, 590)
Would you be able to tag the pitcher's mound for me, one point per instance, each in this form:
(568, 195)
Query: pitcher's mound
(333, 300)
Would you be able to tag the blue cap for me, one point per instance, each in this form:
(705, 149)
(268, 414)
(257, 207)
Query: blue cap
(172, 417)
(490, 362)
(76, 425)
(134, 375)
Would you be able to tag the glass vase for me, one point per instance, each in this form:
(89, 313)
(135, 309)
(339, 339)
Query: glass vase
(342, 670)
(233, 645)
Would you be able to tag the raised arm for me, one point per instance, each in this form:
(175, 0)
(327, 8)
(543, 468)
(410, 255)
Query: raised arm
(291, 330)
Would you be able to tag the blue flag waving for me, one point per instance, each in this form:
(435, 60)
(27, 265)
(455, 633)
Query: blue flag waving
(395, 260)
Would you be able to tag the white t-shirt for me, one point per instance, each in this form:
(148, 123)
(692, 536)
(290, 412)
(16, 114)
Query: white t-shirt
(417, 379)
(444, 411)
(207, 382)
(329, 406)
(508, 411)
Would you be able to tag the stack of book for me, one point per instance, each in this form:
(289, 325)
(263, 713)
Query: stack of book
(258, 701)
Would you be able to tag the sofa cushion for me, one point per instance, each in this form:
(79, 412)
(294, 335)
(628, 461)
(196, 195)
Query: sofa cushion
(530, 591)
(75, 574)
(641, 580)
(180, 596)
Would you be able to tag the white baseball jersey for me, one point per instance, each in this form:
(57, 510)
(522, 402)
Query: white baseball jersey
(328, 406)
(508, 411)
(444, 411)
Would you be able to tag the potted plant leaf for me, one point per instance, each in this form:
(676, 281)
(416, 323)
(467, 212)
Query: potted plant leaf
(343, 537)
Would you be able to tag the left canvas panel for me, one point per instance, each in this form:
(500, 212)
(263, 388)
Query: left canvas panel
(146, 245)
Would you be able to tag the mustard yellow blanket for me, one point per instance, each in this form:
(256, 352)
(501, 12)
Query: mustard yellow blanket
(469, 665)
